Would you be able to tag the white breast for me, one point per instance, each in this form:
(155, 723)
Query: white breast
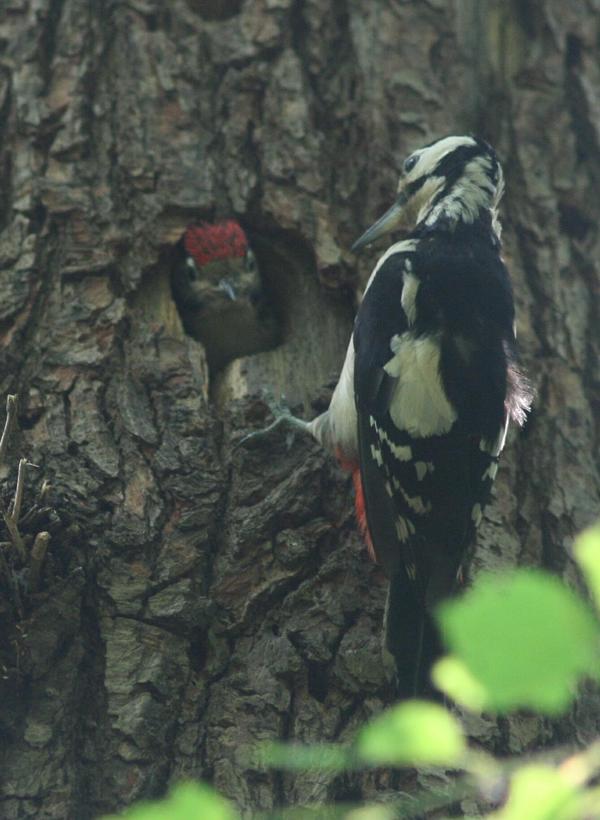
(336, 429)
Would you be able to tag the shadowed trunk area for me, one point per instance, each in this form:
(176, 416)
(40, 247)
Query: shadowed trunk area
(197, 597)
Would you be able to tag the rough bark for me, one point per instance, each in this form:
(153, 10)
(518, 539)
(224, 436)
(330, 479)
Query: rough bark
(195, 597)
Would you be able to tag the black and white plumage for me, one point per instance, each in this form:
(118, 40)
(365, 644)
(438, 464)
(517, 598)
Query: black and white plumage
(429, 385)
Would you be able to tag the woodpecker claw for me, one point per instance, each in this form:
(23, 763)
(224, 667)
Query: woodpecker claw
(283, 415)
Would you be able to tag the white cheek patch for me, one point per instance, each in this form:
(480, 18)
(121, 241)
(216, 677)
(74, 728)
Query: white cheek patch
(473, 192)
(425, 194)
(419, 404)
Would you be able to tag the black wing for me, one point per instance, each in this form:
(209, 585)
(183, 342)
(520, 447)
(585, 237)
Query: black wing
(376, 323)
(424, 494)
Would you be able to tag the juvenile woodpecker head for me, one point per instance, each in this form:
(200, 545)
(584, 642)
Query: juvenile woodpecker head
(219, 267)
(453, 180)
(219, 293)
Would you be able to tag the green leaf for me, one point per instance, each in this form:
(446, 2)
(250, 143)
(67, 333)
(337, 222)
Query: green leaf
(372, 813)
(188, 801)
(524, 637)
(453, 677)
(539, 792)
(590, 800)
(413, 733)
(337, 811)
(294, 756)
(587, 553)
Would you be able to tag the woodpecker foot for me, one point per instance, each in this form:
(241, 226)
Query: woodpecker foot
(283, 417)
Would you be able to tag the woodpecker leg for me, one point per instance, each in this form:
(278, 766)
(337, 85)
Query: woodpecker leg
(283, 417)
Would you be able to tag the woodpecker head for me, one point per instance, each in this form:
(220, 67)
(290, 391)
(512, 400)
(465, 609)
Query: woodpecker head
(453, 180)
(219, 268)
(220, 296)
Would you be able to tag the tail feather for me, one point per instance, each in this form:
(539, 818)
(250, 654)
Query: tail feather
(411, 637)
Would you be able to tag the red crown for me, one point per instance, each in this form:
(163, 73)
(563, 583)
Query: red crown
(222, 240)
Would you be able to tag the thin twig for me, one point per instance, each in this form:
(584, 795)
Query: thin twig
(15, 507)
(11, 409)
(36, 560)
(11, 518)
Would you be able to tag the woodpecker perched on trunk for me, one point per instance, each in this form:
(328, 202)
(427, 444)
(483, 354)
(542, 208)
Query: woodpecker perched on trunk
(428, 387)
(218, 290)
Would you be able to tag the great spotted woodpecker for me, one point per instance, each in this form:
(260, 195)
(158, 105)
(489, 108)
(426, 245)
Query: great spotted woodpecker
(219, 292)
(429, 384)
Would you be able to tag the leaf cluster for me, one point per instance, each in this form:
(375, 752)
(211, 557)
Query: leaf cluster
(517, 640)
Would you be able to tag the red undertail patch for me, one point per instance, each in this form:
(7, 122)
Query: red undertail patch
(361, 513)
(351, 466)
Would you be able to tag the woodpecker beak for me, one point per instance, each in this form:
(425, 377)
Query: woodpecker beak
(390, 220)
(226, 286)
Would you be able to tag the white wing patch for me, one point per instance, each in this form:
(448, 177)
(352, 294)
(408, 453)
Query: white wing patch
(409, 294)
(419, 404)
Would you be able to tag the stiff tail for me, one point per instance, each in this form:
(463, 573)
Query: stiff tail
(411, 637)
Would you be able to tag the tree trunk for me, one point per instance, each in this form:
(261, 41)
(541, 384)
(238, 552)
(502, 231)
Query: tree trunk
(198, 597)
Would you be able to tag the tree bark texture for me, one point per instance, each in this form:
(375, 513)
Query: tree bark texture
(196, 597)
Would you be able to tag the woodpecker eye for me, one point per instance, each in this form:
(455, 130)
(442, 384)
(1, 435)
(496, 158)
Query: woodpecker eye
(250, 262)
(192, 270)
(410, 163)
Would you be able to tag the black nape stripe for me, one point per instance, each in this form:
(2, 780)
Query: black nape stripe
(452, 165)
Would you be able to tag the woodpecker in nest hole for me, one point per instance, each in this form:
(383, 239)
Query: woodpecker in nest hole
(220, 295)
(429, 385)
